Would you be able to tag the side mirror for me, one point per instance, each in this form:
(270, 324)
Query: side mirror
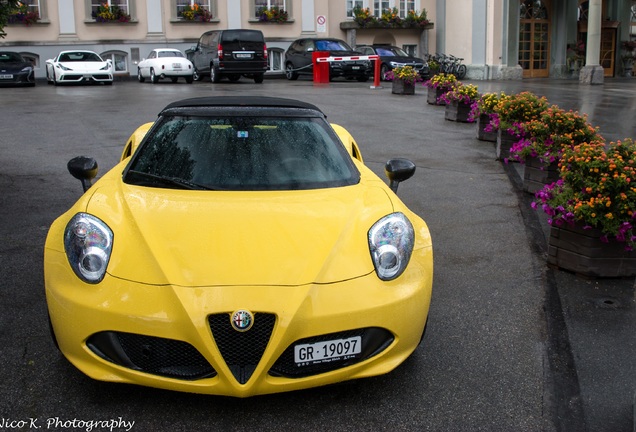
(84, 169)
(398, 170)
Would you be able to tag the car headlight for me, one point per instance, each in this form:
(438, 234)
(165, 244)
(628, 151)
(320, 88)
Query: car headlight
(64, 68)
(27, 69)
(396, 64)
(106, 67)
(88, 242)
(391, 244)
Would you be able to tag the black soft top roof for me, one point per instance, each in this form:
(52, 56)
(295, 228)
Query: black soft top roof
(243, 102)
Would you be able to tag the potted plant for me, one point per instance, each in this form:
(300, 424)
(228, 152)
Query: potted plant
(512, 111)
(273, 15)
(438, 85)
(22, 15)
(403, 79)
(545, 140)
(575, 58)
(592, 210)
(459, 101)
(106, 13)
(628, 57)
(483, 113)
(196, 12)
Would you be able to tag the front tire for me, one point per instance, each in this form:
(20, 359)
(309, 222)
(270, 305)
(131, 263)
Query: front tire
(153, 78)
(196, 75)
(384, 69)
(290, 73)
(139, 77)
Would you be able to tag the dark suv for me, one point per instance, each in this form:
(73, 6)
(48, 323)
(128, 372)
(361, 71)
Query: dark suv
(298, 59)
(230, 53)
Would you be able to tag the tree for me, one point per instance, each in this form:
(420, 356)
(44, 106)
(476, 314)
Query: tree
(6, 8)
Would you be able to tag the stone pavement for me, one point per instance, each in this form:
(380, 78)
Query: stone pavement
(599, 317)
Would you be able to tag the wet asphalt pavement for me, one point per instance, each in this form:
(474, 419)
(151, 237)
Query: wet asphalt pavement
(511, 343)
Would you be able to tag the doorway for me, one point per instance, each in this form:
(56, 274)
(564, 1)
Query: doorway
(534, 38)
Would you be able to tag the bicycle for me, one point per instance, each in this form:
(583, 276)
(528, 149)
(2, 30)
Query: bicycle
(456, 67)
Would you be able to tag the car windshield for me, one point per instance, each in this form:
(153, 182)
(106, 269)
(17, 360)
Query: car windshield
(170, 54)
(80, 57)
(9, 57)
(391, 52)
(234, 153)
(332, 45)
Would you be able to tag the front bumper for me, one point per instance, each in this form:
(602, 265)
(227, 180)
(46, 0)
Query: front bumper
(19, 78)
(178, 338)
(77, 77)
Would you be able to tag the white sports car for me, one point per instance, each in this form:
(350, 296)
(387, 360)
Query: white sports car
(165, 63)
(79, 66)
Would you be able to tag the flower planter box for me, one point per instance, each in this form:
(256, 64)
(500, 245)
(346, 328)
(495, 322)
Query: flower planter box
(434, 94)
(457, 111)
(581, 251)
(482, 122)
(536, 175)
(402, 87)
(504, 142)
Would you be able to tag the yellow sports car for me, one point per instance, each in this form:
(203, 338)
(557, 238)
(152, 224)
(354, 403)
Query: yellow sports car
(240, 247)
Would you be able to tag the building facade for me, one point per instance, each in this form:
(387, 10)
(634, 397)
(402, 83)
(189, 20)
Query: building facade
(497, 39)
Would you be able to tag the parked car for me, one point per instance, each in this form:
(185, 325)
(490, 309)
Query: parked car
(79, 66)
(299, 59)
(240, 247)
(230, 53)
(15, 70)
(392, 56)
(165, 63)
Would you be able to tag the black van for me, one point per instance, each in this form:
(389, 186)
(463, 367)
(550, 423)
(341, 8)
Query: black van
(230, 53)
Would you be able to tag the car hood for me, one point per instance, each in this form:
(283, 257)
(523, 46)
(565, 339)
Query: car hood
(212, 238)
(405, 60)
(13, 66)
(83, 66)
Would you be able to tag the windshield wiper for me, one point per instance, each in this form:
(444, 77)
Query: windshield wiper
(173, 181)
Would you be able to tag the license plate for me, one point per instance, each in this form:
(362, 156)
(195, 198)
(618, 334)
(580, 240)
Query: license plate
(176, 65)
(243, 55)
(88, 76)
(355, 67)
(6, 76)
(327, 351)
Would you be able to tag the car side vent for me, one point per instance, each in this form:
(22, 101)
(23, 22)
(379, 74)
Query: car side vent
(242, 351)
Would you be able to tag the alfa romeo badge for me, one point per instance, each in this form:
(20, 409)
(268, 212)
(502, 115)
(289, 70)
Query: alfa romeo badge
(242, 320)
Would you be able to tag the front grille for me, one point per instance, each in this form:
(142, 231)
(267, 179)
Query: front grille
(242, 351)
(154, 355)
(374, 341)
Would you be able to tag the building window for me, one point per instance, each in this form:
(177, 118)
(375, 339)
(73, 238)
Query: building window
(406, 6)
(122, 5)
(119, 59)
(116, 10)
(260, 5)
(275, 56)
(34, 59)
(189, 5)
(352, 4)
(410, 49)
(380, 6)
(33, 6)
